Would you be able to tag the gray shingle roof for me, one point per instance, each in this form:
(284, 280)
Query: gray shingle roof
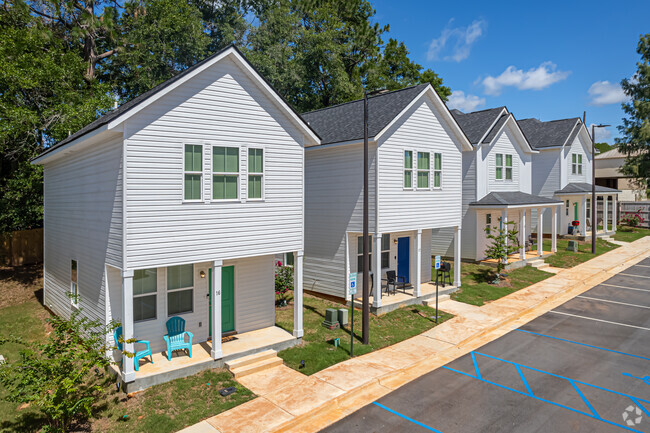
(496, 128)
(344, 122)
(513, 198)
(476, 124)
(582, 188)
(111, 115)
(549, 134)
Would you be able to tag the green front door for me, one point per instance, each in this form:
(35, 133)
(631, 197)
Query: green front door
(227, 299)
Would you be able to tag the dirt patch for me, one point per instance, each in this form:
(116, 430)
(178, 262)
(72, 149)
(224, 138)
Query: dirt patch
(20, 284)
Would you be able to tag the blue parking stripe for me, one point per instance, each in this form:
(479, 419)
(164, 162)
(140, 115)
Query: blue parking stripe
(583, 344)
(406, 417)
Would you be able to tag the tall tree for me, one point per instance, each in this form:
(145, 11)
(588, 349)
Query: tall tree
(635, 140)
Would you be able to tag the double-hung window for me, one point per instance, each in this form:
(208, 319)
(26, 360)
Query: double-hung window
(74, 286)
(145, 287)
(385, 251)
(193, 172)
(437, 170)
(499, 166)
(180, 289)
(225, 173)
(424, 168)
(408, 169)
(576, 163)
(360, 252)
(488, 222)
(255, 172)
(508, 167)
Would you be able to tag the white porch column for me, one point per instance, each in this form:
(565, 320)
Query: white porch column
(540, 232)
(298, 258)
(583, 216)
(522, 233)
(554, 228)
(504, 224)
(217, 265)
(376, 293)
(128, 374)
(605, 216)
(614, 212)
(418, 263)
(457, 256)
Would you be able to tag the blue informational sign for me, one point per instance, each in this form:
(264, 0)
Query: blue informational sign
(437, 261)
(352, 283)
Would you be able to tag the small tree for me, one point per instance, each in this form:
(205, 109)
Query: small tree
(504, 243)
(64, 376)
(283, 283)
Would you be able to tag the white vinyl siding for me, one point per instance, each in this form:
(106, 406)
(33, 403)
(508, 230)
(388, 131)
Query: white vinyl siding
(222, 106)
(577, 156)
(193, 172)
(508, 164)
(225, 173)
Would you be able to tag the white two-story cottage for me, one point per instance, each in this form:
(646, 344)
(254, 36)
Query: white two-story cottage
(562, 169)
(497, 185)
(175, 202)
(415, 187)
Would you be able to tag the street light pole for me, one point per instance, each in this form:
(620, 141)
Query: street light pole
(594, 225)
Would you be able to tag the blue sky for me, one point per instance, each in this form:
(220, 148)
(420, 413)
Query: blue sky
(549, 60)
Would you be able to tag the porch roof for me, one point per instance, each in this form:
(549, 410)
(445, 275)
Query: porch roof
(514, 199)
(580, 188)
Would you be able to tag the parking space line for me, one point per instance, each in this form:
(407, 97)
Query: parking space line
(406, 417)
(583, 344)
(623, 287)
(613, 302)
(599, 320)
(643, 266)
(634, 275)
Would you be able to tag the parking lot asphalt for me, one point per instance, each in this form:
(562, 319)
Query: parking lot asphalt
(582, 367)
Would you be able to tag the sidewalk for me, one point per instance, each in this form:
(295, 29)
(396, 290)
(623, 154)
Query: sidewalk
(289, 401)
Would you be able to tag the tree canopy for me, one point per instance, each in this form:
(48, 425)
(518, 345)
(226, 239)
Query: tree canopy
(635, 139)
(63, 63)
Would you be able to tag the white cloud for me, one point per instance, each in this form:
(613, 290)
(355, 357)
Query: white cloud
(464, 102)
(602, 135)
(454, 44)
(533, 79)
(604, 93)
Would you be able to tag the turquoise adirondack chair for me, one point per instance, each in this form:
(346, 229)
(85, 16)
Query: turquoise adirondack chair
(117, 335)
(175, 337)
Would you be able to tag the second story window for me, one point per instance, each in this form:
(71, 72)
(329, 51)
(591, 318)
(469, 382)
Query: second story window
(437, 170)
(508, 167)
(424, 167)
(225, 173)
(503, 163)
(499, 166)
(576, 163)
(255, 172)
(408, 169)
(193, 172)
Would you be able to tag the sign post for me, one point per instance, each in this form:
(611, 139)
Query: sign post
(352, 284)
(437, 266)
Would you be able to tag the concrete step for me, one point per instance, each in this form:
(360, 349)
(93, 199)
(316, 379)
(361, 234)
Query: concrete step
(255, 367)
(431, 302)
(538, 263)
(250, 359)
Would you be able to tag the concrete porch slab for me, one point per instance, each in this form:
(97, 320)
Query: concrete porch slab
(400, 299)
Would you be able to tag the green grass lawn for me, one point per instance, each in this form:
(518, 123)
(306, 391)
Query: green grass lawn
(568, 259)
(476, 278)
(630, 234)
(317, 348)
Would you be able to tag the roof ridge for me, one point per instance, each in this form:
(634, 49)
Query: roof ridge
(487, 109)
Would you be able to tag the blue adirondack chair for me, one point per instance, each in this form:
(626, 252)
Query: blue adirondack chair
(117, 335)
(175, 337)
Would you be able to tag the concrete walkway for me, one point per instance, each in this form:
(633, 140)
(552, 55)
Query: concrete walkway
(289, 401)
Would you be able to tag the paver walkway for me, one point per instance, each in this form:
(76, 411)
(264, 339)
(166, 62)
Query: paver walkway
(290, 401)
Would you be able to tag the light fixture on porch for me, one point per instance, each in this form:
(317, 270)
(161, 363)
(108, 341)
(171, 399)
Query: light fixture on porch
(202, 274)
(395, 241)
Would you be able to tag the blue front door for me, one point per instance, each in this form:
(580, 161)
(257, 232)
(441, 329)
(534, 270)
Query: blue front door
(403, 258)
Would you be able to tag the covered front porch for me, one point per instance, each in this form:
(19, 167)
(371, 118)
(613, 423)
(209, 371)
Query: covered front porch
(496, 210)
(407, 297)
(576, 199)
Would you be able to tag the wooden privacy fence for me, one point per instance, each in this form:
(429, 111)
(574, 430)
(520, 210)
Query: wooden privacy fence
(23, 247)
(640, 207)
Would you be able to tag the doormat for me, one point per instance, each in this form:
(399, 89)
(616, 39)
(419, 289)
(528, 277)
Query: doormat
(229, 338)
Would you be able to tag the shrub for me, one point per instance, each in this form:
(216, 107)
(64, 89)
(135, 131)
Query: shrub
(632, 219)
(64, 376)
(283, 283)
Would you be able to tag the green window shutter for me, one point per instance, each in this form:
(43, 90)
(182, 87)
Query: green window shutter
(255, 160)
(254, 186)
(437, 161)
(193, 157)
(179, 277)
(423, 161)
(408, 179)
(408, 159)
(224, 187)
(192, 187)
